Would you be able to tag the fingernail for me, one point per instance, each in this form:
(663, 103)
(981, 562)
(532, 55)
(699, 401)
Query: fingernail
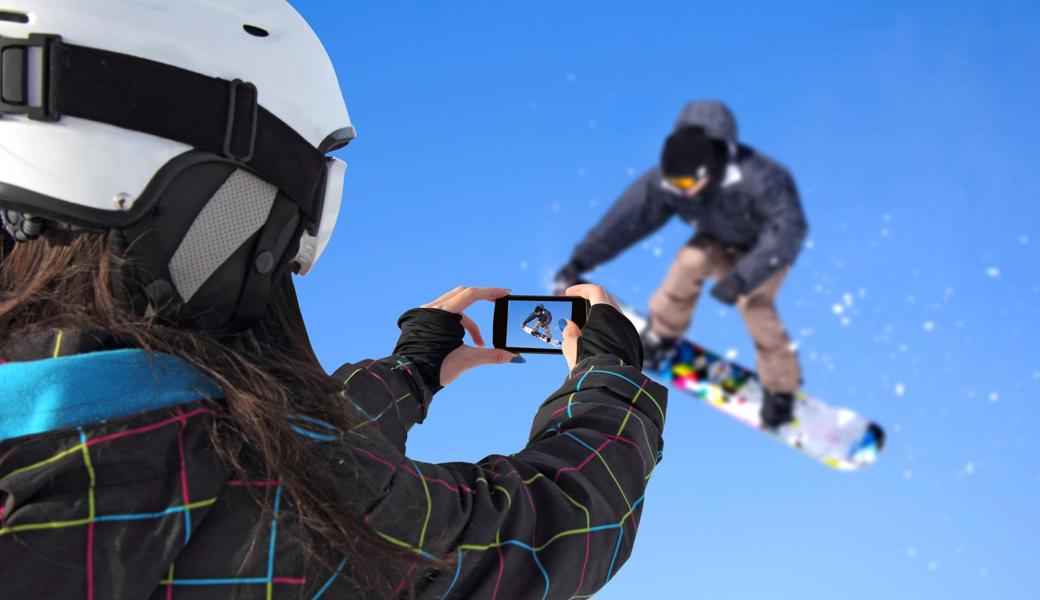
(518, 359)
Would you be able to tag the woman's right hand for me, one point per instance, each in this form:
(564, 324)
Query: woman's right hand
(607, 329)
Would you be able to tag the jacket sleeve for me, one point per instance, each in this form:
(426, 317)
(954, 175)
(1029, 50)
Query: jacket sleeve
(783, 231)
(642, 208)
(555, 520)
(388, 393)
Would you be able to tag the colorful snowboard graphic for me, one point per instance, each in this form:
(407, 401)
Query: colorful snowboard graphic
(835, 436)
(554, 342)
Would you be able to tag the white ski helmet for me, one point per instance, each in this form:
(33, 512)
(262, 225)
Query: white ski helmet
(195, 132)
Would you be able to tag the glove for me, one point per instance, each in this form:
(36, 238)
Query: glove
(607, 331)
(428, 335)
(569, 275)
(728, 289)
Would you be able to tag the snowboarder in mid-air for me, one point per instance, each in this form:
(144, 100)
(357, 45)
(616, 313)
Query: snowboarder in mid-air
(749, 229)
(543, 319)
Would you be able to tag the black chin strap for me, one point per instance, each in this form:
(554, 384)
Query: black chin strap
(208, 113)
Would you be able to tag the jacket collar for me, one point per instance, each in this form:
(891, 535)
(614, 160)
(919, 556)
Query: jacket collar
(85, 388)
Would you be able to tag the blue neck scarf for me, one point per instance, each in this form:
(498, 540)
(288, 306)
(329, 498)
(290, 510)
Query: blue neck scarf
(86, 389)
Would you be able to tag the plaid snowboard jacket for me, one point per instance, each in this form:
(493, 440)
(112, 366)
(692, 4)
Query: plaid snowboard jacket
(110, 488)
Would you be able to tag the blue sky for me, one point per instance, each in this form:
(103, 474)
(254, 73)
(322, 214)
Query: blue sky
(493, 135)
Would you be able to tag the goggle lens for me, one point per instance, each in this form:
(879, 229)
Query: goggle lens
(683, 183)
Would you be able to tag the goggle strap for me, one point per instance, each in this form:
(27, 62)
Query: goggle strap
(208, 113)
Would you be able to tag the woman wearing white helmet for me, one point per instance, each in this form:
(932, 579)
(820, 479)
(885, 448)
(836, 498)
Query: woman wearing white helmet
(167, 431)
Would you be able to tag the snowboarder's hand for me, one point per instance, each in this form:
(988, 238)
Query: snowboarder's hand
(464, 357)
(728, 289)
(595, 294)
(569, 275)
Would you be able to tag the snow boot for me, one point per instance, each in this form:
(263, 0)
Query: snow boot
(777, 409)
(657, 350)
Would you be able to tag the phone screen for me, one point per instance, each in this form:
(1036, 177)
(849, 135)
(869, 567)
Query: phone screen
(535, 323)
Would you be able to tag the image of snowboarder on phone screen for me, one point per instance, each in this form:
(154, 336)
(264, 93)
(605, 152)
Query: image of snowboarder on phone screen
(748, 229)
(543, 320)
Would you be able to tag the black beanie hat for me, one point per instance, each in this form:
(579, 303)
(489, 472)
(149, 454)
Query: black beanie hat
(689, 152)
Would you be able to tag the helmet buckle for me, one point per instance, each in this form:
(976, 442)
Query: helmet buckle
(15, 60)
(240, 134)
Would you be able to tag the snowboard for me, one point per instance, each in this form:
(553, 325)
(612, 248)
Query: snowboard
(835, 436)
(554, 342)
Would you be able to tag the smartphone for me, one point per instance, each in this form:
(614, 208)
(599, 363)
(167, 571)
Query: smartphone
(534, 324)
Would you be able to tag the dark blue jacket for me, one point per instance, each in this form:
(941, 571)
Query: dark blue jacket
(756, 209)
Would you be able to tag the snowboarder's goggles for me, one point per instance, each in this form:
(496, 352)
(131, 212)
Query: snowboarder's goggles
(683, 183)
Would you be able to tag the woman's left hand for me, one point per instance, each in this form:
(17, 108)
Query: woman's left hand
(464, 358)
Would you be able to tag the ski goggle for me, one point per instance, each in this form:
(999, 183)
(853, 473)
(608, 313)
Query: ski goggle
(683, 183)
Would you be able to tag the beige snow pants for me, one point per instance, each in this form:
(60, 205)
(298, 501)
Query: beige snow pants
(671, 309)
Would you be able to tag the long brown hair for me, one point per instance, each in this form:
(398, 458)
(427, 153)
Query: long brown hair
(75, 282)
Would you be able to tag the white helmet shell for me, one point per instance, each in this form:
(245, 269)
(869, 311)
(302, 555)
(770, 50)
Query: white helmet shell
(106, 167)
